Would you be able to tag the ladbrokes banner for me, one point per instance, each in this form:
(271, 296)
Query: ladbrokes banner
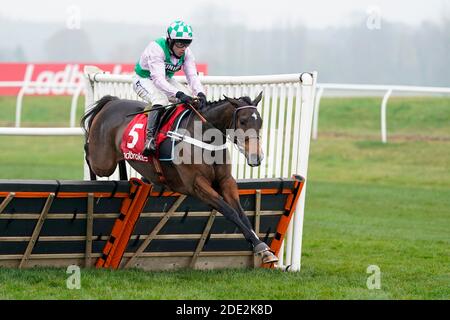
(49, 75)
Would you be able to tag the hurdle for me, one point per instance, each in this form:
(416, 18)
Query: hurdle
(87, 223)
(287, 112)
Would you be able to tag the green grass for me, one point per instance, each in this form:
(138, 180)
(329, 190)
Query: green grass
(40, 111)
(368, 203)
(41, 158)
(417, 116)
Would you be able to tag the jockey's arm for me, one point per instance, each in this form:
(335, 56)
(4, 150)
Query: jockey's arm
(156, 66)
(190, 70)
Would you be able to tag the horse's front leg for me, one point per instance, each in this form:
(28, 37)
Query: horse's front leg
(204, 191)
(230, 193)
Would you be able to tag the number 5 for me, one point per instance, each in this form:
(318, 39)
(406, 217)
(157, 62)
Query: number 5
(135, 135)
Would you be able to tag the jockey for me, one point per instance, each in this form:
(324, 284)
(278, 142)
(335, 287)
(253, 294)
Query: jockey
(153, 80)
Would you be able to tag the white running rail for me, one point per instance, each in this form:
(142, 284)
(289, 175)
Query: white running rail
(30, 88)
(9, 131)
(387, 89)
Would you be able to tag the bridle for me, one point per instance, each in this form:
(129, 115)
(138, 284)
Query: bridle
(234, 118)
(233, 126)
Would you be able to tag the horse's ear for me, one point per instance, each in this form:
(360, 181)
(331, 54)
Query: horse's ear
(232, 101)
(257, 99)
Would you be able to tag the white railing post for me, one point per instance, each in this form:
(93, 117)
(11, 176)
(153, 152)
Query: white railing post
(19, 105)
(383, 116)
(89, 84)
(287, 243)
(316, 113)
(308, 89)
(23, 89)
(89, 100)
(74, 103)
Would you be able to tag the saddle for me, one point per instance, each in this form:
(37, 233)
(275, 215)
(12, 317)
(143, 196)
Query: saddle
(164, 118)
(133, 138)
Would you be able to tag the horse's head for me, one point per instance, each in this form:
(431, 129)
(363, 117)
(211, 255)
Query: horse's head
(245, 128)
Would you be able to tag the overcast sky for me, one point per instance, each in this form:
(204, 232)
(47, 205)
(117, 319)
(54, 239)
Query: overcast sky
(256, 14)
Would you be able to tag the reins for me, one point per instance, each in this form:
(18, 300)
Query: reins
(154, 109)
(232, 124)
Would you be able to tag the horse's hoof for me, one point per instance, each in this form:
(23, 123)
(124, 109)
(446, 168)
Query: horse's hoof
(269, 257)
(260, 248)
(264, 252)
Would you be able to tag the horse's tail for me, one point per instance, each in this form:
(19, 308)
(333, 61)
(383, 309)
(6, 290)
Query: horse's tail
(85, 124)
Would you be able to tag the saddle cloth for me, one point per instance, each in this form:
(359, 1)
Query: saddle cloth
(133, 138)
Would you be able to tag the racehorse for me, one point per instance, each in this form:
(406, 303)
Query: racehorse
(213, 184)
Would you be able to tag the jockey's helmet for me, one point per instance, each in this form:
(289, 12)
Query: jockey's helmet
(180, 31)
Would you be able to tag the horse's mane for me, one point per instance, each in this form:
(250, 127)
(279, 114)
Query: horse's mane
(215, 103)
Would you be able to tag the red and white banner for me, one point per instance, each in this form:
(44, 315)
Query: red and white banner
(51, 75)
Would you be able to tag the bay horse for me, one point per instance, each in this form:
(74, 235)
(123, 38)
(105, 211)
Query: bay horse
(213, 184)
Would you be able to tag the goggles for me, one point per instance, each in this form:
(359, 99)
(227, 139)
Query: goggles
(182, 44)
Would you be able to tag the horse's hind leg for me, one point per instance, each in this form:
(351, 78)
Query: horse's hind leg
(205, 192)
(123, 170)
(102, 159)
(230, 193)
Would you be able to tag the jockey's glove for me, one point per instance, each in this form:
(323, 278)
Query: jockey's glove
(201, 96)
(184, 97)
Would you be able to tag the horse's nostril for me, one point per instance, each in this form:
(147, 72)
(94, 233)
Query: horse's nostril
(254, 160)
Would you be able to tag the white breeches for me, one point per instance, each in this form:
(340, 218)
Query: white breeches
(147, 91)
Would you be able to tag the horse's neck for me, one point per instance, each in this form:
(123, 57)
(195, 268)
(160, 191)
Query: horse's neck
(219, 116)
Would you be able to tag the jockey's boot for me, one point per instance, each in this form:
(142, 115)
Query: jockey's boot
(152, 125)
